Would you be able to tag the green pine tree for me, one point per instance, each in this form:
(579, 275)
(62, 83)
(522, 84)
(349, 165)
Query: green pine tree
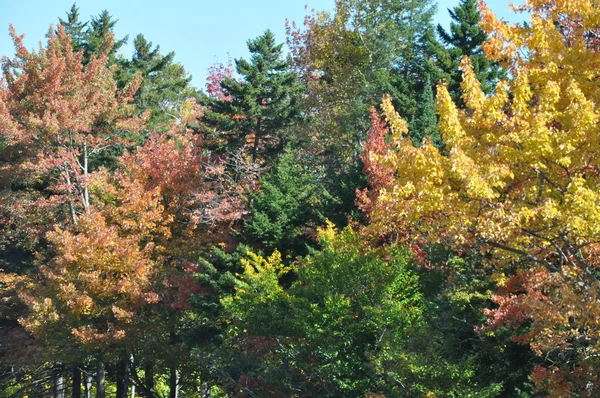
(413, 20)
(288, 207)
(262, 104)
(95, 37)
(425, 123)
(74, 27)
(166, 85)
(464, 38)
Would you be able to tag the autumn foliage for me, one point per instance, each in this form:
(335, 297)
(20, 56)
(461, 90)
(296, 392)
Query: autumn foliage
(518, 179)
(172, 239)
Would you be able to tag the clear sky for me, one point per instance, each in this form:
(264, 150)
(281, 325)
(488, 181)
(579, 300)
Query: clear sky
(201, 32)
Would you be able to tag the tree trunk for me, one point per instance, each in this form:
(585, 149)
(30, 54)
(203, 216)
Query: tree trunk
(174, 383)
(59, 385)
(100, 380)
(122, 376)
(76, 393)
(205, 390)
(88, 384)
(149, 379)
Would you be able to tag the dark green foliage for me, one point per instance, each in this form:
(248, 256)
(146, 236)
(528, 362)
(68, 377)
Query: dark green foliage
(262, 104)
(342, 186)
(445, 354)
(217, 280)
(165, 86)
(204, 326)
(288, 208)
(464, 38)
(414, 22)
(425, 124)
(95, 38)
(74, 27)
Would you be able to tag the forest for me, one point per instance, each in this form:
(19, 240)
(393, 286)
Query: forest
(372, 206)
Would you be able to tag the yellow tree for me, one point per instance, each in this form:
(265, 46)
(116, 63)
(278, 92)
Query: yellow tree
(519, 179)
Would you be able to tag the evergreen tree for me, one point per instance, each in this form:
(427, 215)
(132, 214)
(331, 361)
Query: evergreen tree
(288, 207)
(413, 21)
(92, 40)
(425, 124)
(74, 27)
(97, 33)
(464, 38)
(165, 87)
(262, 104)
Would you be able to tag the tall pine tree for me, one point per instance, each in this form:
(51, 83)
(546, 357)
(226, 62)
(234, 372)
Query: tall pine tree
(99, 29)
(165, 87)
(74, 27)
(464, 38)
(258, 107)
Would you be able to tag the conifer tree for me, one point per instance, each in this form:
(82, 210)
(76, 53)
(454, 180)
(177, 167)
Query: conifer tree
(92, 40)
(425, 123)
(74, 27)
(165, 87)
(288, 208)
(464, 38)
(99, 29)
(258, 107)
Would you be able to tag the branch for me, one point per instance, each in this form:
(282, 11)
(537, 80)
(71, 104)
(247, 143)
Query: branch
(520, 252)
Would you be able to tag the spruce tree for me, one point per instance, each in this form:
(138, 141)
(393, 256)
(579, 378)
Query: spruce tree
(95, 37)
(260, 105)
(425, 123)
(92, 39)
(166, 85)
(464, 38)
(288, 207)
(74, 27)
(413, 21)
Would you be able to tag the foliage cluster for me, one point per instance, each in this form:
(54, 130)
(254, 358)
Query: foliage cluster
(390, 210)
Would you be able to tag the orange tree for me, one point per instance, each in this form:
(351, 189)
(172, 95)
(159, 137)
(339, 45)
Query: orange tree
(58, 117)
(518, 179)
(98, 245)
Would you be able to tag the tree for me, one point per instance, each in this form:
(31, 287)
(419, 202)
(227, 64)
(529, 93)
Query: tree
(350, 304)
(165, 87)
(58, 116)
(101, 272)
(425, 123)
(260, 106)
(287, 209)
(98, 31)
(348, 59)
(466, 38)
(518, 181)
(74, 27)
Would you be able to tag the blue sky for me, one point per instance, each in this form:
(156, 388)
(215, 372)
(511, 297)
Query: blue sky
(201, 32)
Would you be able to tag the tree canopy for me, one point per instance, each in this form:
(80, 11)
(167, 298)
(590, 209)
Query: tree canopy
(379, 209)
